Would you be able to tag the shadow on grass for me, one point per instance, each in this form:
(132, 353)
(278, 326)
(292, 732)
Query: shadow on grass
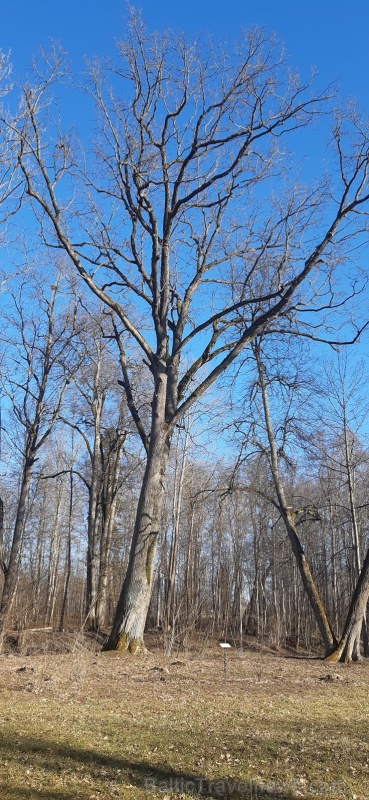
(78, 764)
(13, 793)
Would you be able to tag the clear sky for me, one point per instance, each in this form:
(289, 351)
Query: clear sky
(331, 35)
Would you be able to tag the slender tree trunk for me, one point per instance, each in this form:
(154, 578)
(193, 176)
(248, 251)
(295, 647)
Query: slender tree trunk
(111, 468)
(11, 571)
(253, 619)
(190, 567)
(38, 569)
(355, 540)
(2, 564)
(68, 562)
(54, 559)
(311, 590)
(333, 558)
(103, 583)
(92, 564)
(176, 513)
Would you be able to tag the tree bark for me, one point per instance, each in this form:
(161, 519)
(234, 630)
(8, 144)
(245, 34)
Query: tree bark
(173, 552)
(130, 616)
(11, 572)
(68, 558)
(111, 453)
(92, 563)
(355, 539)
(347, 649)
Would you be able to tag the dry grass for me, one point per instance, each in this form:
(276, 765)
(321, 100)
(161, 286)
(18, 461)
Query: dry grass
(88, 725)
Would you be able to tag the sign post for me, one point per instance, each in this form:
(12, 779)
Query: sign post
(225, 646)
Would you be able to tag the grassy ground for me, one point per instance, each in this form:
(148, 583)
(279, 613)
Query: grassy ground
(87, 725)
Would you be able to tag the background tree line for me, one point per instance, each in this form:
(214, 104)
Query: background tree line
(224, 563)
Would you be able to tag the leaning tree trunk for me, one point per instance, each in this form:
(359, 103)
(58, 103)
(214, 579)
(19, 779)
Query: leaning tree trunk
(311, 590)
(327, 634)
(347, 650)
(130, 617)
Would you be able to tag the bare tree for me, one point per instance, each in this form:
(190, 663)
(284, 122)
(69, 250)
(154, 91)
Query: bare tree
(167, 228)
(341, 415)
(178, 479)
(345, 414)
(36, 352)
(10, 181)
(344, 457)
(97, 414)
(287, 512)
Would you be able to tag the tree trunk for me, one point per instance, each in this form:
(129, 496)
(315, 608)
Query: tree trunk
(2, 564)
(189, 567)
(68, 560)
(103, 584)
(92, 564)
(334, 579)
(328, 637)
(130, 616)
(11, 571)
(347, 649)
(179, 472)
(54, 559)
(355, 540)
(110, 467)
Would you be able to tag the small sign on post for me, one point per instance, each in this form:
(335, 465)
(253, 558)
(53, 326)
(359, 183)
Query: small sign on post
(225, 646)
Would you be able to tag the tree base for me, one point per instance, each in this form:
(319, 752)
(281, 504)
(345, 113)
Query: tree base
(340, 656)
(125, 644)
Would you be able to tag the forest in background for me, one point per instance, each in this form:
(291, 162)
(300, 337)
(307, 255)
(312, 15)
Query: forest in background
(224, 564)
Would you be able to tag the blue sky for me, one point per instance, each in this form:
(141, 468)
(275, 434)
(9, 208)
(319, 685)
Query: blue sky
(329, 35)
(332, 36)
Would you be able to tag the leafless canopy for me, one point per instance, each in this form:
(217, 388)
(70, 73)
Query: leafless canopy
(181, 218)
